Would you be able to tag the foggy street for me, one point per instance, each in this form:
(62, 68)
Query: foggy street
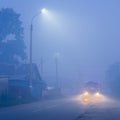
(59, 59)
(61, 109)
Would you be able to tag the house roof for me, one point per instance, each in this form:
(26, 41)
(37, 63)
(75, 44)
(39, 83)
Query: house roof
(19, 72)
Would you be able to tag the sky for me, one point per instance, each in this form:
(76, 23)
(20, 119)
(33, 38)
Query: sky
(85, 33)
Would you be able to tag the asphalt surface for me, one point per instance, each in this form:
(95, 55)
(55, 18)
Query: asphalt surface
(62, 109)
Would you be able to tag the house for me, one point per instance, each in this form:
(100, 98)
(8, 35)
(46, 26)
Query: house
(15, 82)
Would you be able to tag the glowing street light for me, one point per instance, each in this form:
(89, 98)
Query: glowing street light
(43, 11)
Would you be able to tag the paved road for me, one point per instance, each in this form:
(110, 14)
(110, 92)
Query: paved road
(62, 109)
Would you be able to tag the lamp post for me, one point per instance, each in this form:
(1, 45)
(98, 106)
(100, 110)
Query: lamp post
(57, 83)
(31, 46)
(56, 70)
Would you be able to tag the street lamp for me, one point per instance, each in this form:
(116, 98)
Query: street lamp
(43, 11)
(56, 70)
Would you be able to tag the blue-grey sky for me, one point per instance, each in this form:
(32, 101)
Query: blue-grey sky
(86, 33)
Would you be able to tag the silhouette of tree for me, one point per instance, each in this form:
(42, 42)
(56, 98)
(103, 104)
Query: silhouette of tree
(12, 47)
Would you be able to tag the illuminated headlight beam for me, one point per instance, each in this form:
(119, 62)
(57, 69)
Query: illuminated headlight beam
(97, 94)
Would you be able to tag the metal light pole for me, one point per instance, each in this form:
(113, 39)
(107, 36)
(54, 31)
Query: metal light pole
(57, 83)
(41, 66)
(31, 75)
(31, 46)
(56, 70)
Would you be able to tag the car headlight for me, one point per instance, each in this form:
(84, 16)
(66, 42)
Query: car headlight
(85, 93)
(97, 94)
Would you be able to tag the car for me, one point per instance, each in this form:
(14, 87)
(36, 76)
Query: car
(91, 92)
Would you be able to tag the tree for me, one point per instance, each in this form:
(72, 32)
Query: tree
(12, 47)
(113, 79)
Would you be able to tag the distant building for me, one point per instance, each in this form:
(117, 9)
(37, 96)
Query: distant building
(14, 81)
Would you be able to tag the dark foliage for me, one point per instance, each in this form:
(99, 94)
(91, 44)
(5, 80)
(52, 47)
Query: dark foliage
(12, 47)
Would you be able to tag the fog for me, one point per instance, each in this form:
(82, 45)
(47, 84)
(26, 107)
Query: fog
(84, 33)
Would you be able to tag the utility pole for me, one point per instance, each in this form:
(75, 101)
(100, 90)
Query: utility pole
(57, 71)
(57, 80)
(31, 71)
(41, 66)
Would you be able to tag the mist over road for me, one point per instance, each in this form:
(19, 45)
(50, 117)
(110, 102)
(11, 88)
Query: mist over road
(62, 109)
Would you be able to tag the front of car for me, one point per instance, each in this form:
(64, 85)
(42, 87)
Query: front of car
(91, 92)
